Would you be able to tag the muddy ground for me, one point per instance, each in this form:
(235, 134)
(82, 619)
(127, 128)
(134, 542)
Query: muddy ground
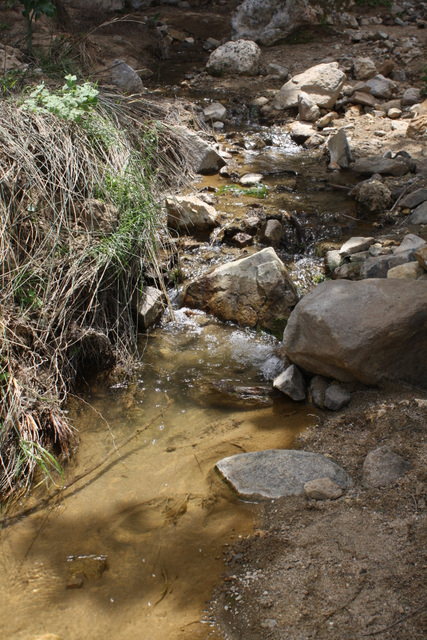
(346, 569)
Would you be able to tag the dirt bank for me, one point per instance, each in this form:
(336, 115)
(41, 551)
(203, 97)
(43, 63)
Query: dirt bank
(345, 569)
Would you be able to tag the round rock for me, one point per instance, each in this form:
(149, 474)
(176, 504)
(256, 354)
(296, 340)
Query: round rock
(382, 467)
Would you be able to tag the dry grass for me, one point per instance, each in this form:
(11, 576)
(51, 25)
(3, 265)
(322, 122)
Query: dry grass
(79, 223)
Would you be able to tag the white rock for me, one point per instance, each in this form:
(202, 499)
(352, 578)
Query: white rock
(322, 83)
(241, 57)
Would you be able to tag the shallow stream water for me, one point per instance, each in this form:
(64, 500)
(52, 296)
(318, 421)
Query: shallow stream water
(134, 549)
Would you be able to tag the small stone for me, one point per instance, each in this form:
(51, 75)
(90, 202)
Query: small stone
(355, 245)
(414, 198)
(272, 234)
(339, 151)
(251, 179)
(125, 77)
(260, 102)
(317, 389)
(307, 109)
(291, 383)
(336, 397)
(242, 239)
(333, 259)
(383, 467)
(419, 215)
(269, 623)
(215, 111)
(394, 113)
(364, 68)
(322, 489)
(411, 96)
(363, 98)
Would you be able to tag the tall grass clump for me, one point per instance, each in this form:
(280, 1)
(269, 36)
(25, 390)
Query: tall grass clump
(80, 225)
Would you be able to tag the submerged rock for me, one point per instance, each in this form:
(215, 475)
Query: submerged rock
(255, 291)
(367, 331)
(277, 473)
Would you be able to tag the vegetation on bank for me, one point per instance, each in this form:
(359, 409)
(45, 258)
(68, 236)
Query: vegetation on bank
(80, 227)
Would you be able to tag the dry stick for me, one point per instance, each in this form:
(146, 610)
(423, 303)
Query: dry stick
(394, 624)
(8, 521)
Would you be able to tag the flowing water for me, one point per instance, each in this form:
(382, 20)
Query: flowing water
(134, 548)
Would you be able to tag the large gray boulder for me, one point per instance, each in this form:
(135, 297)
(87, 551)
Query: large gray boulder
(255, 291)
(322, 83)
(241, 57)
(268, 21)
(276, 473)
(368, 331)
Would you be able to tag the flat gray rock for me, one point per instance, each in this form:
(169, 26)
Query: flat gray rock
(277, 473)
(382, 467)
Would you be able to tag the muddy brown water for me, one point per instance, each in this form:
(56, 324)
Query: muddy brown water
(135, 549)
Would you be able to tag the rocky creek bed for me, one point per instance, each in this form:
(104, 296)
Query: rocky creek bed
(319, 163)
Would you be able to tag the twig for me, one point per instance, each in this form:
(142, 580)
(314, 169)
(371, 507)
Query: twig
(394, 624)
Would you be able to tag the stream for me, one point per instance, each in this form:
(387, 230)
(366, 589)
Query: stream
(135, 548)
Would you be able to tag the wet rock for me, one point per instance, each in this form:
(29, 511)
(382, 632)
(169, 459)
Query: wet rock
(301, 131)
(126, 78)
(307, 108)
(336, 397)
(406, 271)
(323, 489)
(89, 567)
(384, 166)
(276, 473)
(364, 68)
(255, 291)
(190, 214)
(413, 199)
(382, 467)
(291, 383)
(367, 331)
(203, 158)
(317, 389)
(339, 151)
(355, 245)
(323, 83)
(241, 57)
(251, 179)
(268, 21)
(215, 111)
(372, 195)
(241, 240)
(272, 234)
(419, 215)
(150, 306)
